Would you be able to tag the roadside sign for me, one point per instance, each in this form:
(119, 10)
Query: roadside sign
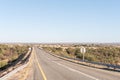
(83, 51)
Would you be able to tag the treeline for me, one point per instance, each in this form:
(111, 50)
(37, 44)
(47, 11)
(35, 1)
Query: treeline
(9, 53)
(103, 54)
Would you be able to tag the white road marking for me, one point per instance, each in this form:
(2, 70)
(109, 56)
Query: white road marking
(48, 58)
(76, 71)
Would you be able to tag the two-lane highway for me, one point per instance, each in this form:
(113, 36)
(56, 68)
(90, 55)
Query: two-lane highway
(48, 67)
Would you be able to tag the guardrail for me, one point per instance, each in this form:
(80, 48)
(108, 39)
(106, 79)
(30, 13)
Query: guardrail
(95, 63)
(23, 59)
(88, 63)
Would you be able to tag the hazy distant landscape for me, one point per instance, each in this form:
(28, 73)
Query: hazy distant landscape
(59, 39)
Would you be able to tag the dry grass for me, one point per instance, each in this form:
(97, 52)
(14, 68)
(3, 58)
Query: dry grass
(23, 74)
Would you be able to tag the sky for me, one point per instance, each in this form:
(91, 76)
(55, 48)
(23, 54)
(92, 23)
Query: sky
(54, 21)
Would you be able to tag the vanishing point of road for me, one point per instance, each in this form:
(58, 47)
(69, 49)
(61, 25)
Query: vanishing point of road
(48, 67)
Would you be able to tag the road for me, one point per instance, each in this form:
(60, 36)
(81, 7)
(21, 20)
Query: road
(48, 67)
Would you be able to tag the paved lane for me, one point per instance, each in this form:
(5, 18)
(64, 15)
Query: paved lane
(35, 73)
(56, 69)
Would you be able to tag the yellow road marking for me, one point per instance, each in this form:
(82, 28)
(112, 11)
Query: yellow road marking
(40, 68)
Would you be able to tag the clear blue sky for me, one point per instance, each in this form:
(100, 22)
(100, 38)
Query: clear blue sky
(59, 20)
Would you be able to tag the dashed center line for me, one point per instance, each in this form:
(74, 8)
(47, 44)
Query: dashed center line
(76, 71)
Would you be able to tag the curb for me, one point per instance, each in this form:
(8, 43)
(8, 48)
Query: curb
(15, 69)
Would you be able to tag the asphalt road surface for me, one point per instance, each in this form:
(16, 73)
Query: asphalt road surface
(48, 67)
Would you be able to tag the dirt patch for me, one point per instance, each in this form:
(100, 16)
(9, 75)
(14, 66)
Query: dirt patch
(24, 73)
